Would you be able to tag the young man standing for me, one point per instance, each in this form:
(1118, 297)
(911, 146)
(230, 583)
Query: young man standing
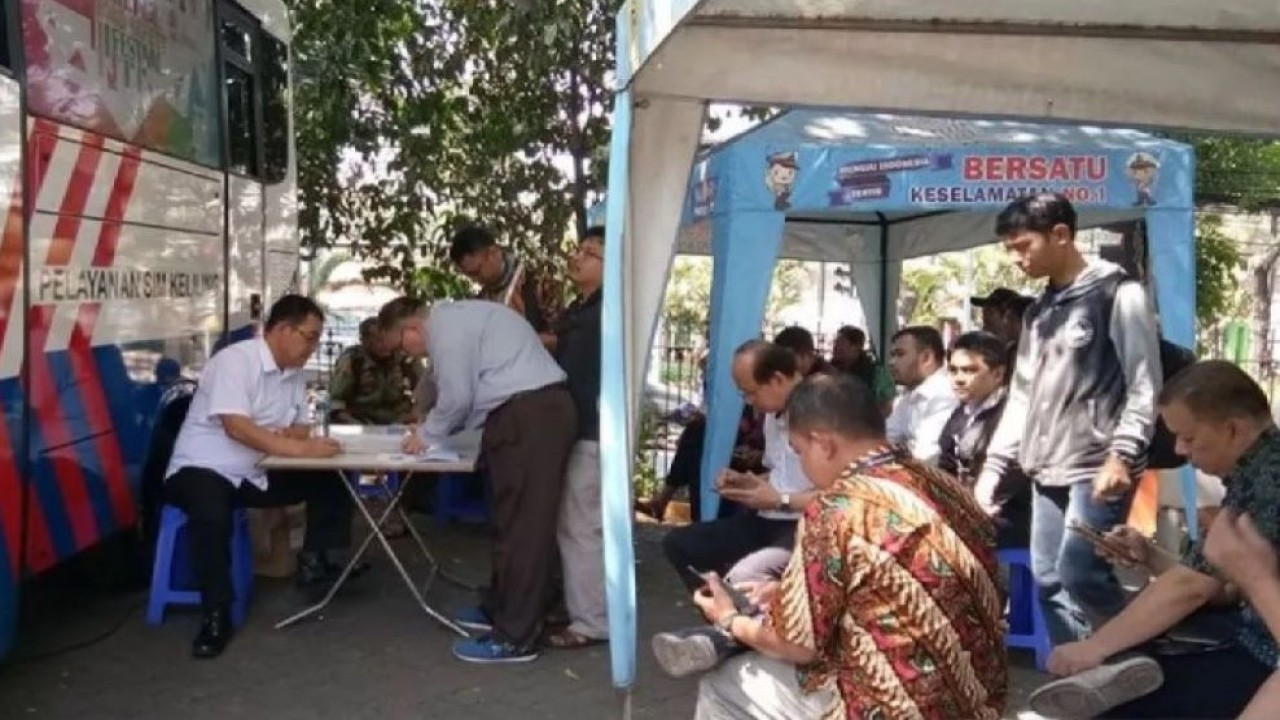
(581, 530)
(1081, 409)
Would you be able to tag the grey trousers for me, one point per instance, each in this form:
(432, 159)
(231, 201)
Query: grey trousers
(581, 538)
(752, 686)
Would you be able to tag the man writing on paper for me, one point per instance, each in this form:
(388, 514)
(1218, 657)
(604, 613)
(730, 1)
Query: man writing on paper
(492, 370)
(250, 404)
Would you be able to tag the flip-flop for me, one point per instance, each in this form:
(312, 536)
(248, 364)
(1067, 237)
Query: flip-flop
(567, 639)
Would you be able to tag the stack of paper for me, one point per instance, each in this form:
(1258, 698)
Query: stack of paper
(368, 444)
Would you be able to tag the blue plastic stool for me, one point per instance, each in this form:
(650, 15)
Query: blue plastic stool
(1026, 619)
(171, 579)
(455, 501)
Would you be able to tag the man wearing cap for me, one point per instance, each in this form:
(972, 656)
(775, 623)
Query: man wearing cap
(1002, 312)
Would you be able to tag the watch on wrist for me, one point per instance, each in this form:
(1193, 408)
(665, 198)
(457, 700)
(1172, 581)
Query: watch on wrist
(784, 502)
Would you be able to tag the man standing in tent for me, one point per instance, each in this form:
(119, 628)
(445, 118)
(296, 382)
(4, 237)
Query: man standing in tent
(504, 278)
(1081, 410)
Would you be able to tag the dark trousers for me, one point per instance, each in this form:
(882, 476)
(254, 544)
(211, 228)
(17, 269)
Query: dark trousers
(208, 499)
(1217, 684)
(526, 446)
(719, 545)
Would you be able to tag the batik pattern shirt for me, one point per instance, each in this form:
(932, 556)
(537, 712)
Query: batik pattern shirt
(893, 585)
(536, 296)
(1253, 488)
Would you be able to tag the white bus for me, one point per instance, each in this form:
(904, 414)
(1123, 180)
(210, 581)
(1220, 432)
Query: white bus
(148, 192)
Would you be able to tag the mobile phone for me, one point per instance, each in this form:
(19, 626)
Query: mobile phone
(741, 602)
(1096, 536)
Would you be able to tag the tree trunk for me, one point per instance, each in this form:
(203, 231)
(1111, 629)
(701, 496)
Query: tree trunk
(578, 150)
(1261, 276)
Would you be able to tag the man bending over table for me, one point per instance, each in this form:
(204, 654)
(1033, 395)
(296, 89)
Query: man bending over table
(492, 370)
(251, 403)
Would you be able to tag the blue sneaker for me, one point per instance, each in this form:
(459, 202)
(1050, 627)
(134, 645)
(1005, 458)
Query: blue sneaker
(474, 619)
(488, 649)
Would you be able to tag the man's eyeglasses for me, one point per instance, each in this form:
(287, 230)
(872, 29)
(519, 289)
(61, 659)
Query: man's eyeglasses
(587, 253)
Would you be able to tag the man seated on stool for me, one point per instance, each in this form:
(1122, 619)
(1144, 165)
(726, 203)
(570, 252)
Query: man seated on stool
(251, 403)
(757, 543)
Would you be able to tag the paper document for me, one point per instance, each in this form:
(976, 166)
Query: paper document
(440, 453)
(369, 444)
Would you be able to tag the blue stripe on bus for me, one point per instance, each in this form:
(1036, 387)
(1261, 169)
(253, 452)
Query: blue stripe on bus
(80, 432)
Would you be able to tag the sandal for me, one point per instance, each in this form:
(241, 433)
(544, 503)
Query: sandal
(567, 639)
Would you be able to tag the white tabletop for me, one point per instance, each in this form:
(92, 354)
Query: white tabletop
(377, 449)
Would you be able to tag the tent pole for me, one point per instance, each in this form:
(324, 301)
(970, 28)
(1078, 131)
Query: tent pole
(882, 348)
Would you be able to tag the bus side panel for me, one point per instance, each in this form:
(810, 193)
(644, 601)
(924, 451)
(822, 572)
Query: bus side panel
(12, 431)
(245, 241)
(125, 297)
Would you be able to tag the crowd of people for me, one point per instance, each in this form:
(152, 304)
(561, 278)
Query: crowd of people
(852, 569)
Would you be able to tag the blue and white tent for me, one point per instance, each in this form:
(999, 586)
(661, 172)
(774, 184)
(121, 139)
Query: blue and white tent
(1140, 63)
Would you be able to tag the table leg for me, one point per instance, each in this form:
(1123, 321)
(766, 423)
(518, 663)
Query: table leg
(374, 533)
(436, 567)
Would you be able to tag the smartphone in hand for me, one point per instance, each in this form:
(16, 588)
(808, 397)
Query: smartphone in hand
(741, 602)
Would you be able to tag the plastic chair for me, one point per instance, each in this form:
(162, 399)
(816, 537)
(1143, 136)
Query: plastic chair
(171, 579)
(1027, 630)
(457, 501)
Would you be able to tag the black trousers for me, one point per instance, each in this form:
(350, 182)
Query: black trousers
(720, 544)
(526, 446)
(1217, 684)
(208, 499)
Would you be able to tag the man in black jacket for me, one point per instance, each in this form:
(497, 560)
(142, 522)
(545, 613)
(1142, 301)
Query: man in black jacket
(979, 366)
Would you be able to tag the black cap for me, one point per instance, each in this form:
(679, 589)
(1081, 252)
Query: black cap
(1003, 298)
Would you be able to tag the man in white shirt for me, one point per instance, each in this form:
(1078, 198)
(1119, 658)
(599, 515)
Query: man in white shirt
(918, 362)
(251, 403)
(766, 374)
(493, 371)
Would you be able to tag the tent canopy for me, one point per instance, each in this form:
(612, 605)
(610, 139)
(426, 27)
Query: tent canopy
(1140, 63)
(873, 190)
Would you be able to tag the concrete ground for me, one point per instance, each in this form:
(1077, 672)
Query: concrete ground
(374, 654)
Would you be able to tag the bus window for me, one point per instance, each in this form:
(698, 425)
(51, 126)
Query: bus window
(274, 69)
(240, 87)
(242, 138)
(6, 60)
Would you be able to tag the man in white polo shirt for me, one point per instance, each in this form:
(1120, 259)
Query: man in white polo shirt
(757, 542)
(918, 362)
(251, 402)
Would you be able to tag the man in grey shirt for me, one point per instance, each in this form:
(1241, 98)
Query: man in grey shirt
(492, 371)
(1081, 410)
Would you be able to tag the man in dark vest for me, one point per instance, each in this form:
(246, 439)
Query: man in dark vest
(979, 375)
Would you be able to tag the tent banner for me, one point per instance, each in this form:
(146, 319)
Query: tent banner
(867, 180)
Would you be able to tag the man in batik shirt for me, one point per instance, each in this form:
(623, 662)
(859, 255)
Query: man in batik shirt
(506, 279)
(889, 607)
(1223, 424)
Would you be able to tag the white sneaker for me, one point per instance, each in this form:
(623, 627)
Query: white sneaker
(681, 655)
(1093, 692)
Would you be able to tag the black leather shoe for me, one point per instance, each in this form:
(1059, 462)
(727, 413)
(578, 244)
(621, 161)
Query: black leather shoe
(215, 633)
(315, 572)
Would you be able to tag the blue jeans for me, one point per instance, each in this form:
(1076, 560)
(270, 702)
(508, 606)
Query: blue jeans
(1078, 589)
